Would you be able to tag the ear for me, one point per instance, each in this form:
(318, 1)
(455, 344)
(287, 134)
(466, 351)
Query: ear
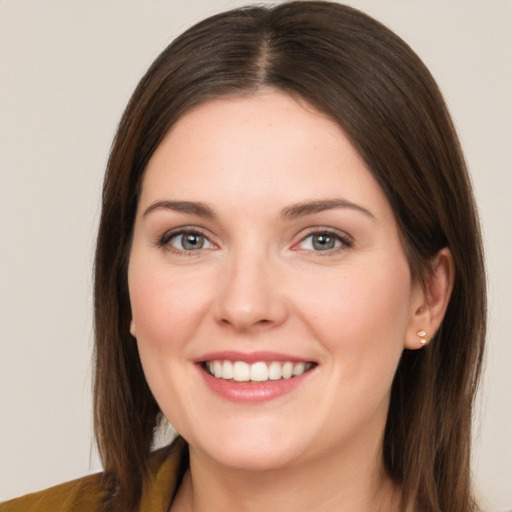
(133, 332)
(430, 299)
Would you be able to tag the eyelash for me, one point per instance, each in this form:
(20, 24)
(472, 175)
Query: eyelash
(165, 239)
(345, 241)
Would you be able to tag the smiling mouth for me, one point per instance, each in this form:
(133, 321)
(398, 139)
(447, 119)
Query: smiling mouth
(260, 371)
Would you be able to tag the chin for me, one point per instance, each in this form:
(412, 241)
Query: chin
(261, 451)
(258, 459)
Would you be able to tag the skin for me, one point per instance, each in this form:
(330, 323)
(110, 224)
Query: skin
(259, 283)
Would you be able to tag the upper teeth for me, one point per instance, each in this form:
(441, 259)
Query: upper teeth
(257, 372)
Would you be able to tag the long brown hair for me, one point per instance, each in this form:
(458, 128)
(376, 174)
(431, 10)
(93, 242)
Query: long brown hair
(367, 79)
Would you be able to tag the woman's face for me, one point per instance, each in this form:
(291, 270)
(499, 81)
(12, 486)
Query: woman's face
(263, 247)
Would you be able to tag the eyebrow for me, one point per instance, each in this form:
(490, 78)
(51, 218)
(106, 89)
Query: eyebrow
(311, 207)
(290, 212)
(194, 208)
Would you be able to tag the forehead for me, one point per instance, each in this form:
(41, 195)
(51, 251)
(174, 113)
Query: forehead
(257, 148)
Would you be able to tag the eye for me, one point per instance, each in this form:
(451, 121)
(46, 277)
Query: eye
(323, 241)
(188, 241)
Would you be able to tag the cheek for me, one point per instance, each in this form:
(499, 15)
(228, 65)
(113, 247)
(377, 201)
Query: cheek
(361, 310)
(167, 309)
(166, 306)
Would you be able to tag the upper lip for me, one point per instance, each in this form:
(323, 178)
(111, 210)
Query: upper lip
(250, 357)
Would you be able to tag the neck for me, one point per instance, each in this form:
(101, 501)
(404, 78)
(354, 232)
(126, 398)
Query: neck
(355, 482)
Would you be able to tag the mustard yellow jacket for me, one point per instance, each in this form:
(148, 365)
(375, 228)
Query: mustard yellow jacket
(87, 495)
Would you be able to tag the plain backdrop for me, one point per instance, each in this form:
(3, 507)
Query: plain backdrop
(67, 69)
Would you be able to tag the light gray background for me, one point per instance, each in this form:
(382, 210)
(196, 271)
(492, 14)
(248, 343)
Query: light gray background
(67, 69)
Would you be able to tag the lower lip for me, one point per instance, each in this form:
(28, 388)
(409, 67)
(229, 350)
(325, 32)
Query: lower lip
(252, 392)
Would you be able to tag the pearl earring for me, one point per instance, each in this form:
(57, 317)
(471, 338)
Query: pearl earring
(423, 337)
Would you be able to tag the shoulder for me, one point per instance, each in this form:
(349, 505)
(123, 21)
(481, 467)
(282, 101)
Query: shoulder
(88, 494)
(82, 495)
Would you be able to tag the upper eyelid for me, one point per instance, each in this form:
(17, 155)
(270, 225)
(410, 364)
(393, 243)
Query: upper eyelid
(164, 237)
(323, 229)
(346, 240)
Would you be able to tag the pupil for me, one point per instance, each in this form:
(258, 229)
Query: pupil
(193, 241)
(323, 242)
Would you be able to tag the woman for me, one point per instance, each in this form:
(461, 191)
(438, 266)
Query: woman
(289, 269)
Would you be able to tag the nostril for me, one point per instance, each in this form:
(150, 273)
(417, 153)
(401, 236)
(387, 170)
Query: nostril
(262, 322)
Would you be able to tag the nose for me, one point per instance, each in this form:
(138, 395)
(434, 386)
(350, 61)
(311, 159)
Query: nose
(250, 295)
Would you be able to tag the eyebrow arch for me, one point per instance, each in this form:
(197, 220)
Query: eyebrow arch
(199, 209)
(310, 207)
